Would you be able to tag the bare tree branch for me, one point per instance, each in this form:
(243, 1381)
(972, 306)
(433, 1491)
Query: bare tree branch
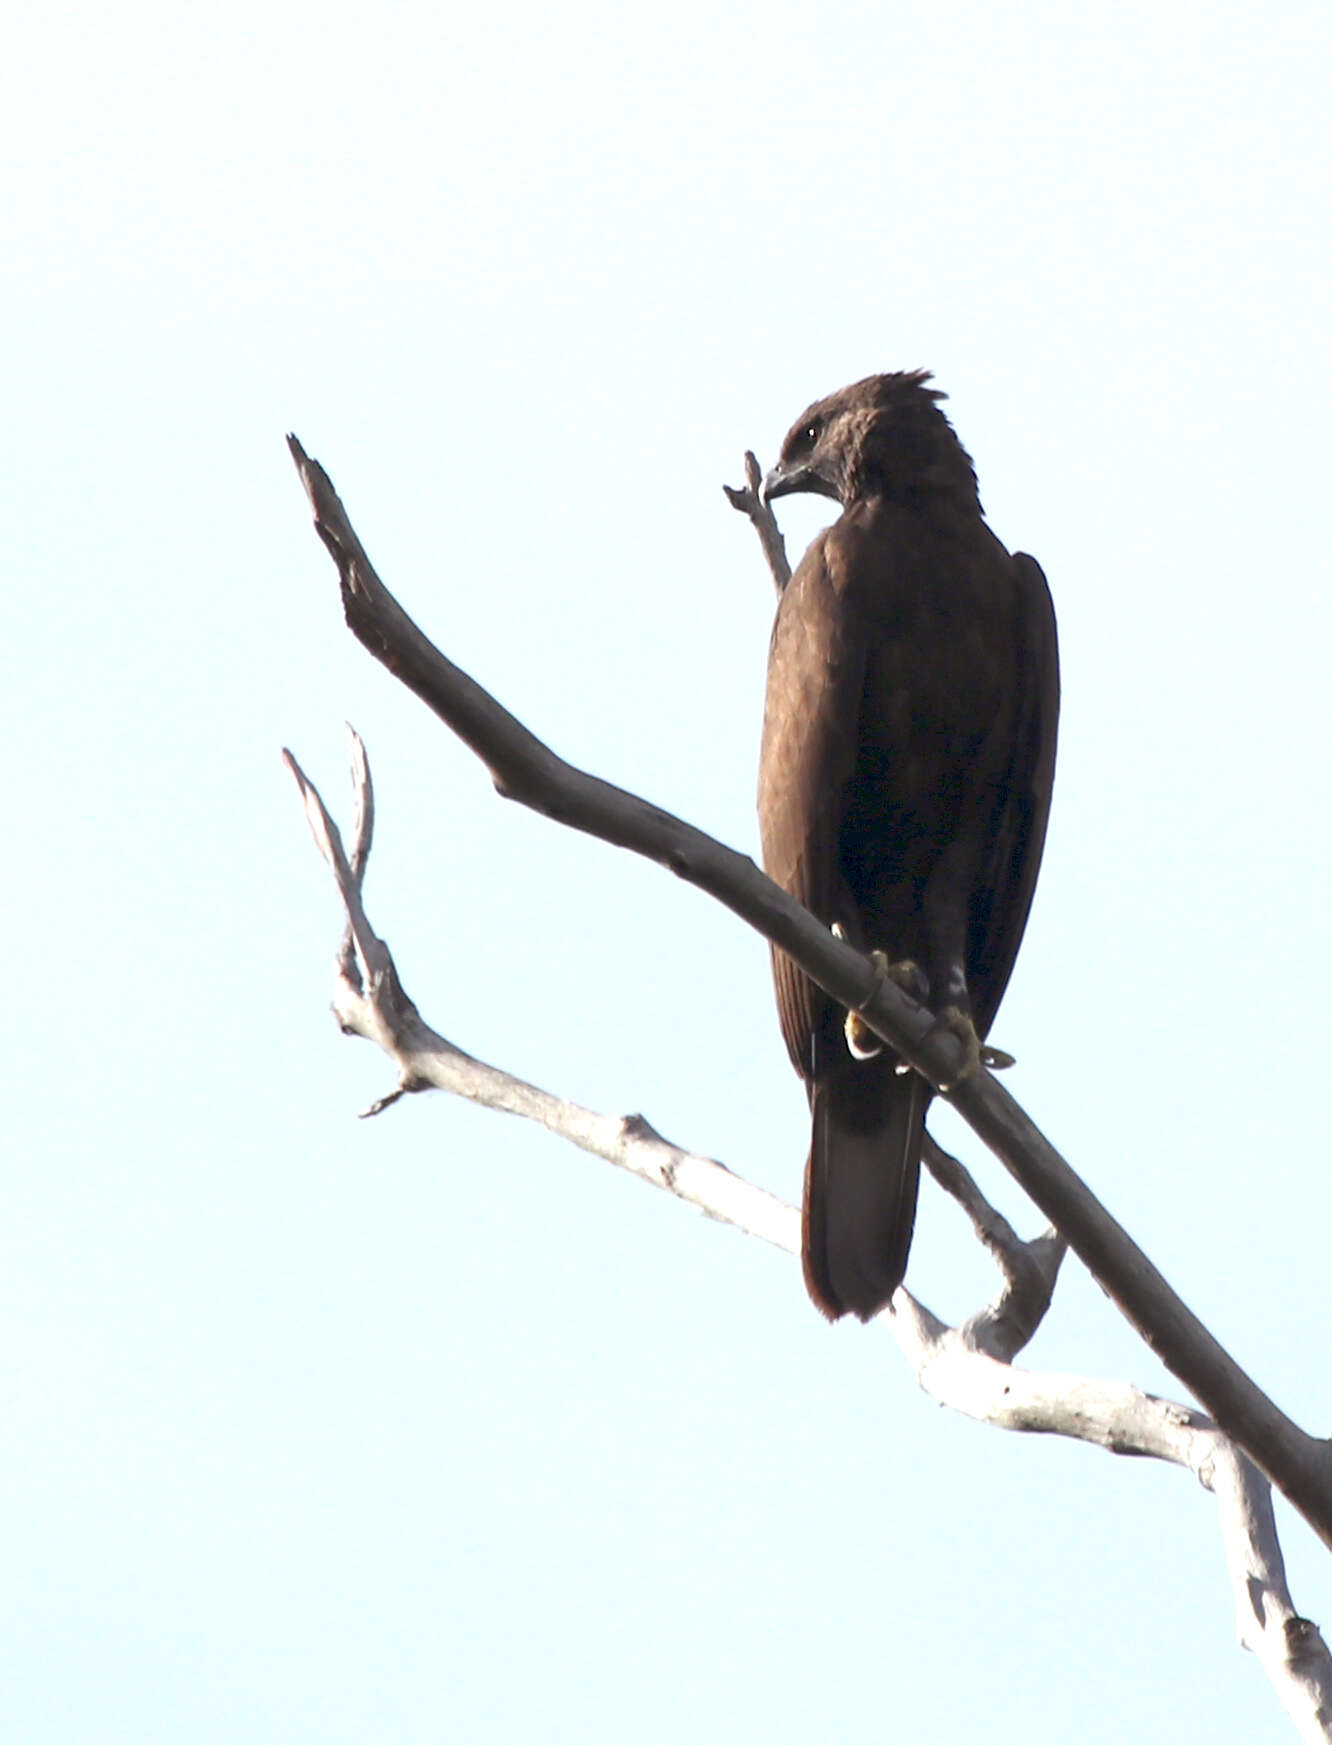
(1029, 1270)
(964, 1367)
(526, 770)
(749, 501)
(369, 1001)
(1118, 1417)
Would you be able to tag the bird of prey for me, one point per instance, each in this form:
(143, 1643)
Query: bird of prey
(904, 787)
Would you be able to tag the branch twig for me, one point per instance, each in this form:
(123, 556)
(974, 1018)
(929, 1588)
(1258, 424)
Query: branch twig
(749, 501)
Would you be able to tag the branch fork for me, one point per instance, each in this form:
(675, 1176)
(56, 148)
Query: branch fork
(969, 1367)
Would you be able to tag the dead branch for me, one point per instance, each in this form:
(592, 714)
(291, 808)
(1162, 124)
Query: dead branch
(749, 501)
(369, 1001)
(525, 769)
(964, 1367)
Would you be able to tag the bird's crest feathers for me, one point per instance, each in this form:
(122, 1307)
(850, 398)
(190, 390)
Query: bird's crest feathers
(882, 436)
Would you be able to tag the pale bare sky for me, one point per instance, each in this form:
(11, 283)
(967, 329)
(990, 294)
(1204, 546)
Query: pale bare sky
(423, 1430)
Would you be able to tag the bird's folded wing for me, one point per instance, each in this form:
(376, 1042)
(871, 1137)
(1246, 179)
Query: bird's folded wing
(1014, 856)
(816, 674)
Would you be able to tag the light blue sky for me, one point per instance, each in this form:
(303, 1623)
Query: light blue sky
(428, 1429)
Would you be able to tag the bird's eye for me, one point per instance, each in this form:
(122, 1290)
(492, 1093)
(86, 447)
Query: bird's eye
(810, 435)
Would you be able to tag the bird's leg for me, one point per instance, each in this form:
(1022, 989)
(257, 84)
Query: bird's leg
(957, 1022)
(953, 1012)
(955, 1018)
(947, 907)
(863, 1042)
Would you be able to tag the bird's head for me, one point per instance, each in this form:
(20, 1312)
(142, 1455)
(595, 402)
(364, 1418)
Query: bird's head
(885, 436)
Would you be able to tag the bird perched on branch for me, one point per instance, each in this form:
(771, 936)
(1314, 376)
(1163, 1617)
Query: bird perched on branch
(904, 787)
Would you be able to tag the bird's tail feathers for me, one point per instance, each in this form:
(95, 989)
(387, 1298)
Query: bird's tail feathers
(860, 1185)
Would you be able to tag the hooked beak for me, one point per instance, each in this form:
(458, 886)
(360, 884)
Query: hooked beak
(785, 480)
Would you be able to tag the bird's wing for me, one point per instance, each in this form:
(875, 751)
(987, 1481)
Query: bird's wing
(816, 674)
(1014, 856)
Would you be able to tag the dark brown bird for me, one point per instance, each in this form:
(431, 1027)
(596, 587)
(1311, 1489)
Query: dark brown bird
(904, 787)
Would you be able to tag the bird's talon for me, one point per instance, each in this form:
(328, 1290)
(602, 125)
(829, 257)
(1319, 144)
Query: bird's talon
(995, 1059)
(863, 1042)
(905, 973)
